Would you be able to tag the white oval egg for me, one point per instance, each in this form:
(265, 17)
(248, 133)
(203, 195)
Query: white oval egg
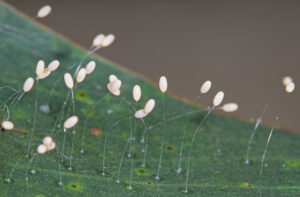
(163, 84)
(218, 98)
(70, 122)
(149, 106)
(69, 80)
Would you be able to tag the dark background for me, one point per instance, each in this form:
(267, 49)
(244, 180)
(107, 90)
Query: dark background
(243, 47)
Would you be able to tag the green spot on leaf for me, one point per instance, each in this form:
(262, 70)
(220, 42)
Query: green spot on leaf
(170, 148)
(88, 112)
(223, 188)
(246, 185)
(292, 163)
(142, 171)
(75, 186)
(20, 114)
(83, 96)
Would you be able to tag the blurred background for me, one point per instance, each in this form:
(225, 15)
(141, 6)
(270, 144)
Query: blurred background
(243, 47)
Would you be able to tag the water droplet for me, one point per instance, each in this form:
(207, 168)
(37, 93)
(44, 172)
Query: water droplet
(81, 151)
(7, 180)
(266, 165)
(143, 150)
(129, 187)
(33, 172)
(129, 155)
(143, 165)
(185, 191)
(58, 126)
(103, 173)
(109, 111)
(70, 169)
(65, 130)
(179, 170)
(283, 165)
(157, 178)
(26, 179)
(247, 162)
(142, 141)
(73, 132)
(45, 108)
(60, 183)
(117, 181)
(98, 87)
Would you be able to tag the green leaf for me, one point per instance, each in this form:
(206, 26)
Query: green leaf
(217, 157)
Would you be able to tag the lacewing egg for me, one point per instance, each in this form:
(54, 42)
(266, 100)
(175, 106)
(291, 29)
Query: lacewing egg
(163, 84)
(116, 85)
(136, 93)
(108, 40)
(45, 74)
(90, 67)
(28, 84)
(218, 98)
(205, 87)
(53, 65)
(51, 146)
(81, 75)
(290, 87)
(116, 92)
(98, 40)
(149, 106)
(44, 11)
(69, 80)
(41, 149)
(40, 68)
(8, 125)
(230, 107)
(113, 78)
(70, 122)
(47, 140)
(286, 80)
(140, 113)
